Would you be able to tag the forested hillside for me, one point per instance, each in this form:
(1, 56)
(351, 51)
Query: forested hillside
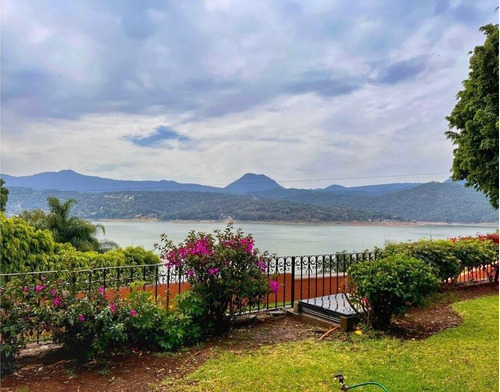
(431, 202)
(186, 206)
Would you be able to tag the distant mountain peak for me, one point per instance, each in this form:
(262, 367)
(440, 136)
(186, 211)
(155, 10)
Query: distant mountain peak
(251, 182)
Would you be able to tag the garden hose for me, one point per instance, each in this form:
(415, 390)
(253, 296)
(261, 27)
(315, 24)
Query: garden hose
(367, 383)
(344, 387)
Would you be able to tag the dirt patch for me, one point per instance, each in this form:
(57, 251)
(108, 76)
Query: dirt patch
(48, 368)
(419, 323)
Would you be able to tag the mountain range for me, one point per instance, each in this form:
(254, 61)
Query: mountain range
(251, 197)
(69, 180)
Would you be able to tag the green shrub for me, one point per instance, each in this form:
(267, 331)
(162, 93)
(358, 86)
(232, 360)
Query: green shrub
(449, 258)
(473, 252)
(152, 326)
(389, 285)
(440, 255)
(224, 271)
(191, 312)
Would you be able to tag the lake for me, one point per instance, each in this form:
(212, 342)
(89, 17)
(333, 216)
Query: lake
(292, 239)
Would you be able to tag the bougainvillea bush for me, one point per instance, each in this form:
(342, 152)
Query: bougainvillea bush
(224, 270)
(90, 324)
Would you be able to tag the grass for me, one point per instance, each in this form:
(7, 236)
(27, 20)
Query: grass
(460, 359)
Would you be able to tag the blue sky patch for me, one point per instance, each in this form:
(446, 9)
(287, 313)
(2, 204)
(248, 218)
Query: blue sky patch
(162, 133)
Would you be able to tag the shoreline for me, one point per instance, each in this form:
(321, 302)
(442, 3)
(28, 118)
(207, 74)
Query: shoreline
(351, 223)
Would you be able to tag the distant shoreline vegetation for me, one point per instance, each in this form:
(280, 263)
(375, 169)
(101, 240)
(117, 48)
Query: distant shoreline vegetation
(392, 223)
(431, 202)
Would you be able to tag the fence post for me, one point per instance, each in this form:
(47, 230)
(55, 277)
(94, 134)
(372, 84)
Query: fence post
(292, 298)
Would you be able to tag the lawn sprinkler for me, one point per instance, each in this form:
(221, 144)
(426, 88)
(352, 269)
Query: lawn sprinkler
(344, 387)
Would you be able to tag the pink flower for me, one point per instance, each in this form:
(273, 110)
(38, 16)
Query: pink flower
(213, 271)
(57, 302)
(133, 312)
(274, 285)
(183, 253)
(102, 290)
(112, 307)
(53, 292)
(81, 318)
(26, 289)
(247, 243)
(39, 287)
(262, 266)
(229, 243)
(190, 272)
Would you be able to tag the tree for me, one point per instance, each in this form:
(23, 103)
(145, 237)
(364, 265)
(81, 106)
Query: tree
(24, 248)
(78, 232)
(36, 218)
(4, 195)
(475, 119)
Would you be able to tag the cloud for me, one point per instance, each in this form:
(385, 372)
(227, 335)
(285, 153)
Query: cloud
(156, 89)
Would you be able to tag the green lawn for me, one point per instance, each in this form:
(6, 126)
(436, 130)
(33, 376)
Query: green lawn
(460, 359)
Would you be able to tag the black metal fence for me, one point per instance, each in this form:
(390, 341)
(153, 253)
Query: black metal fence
(299, 277)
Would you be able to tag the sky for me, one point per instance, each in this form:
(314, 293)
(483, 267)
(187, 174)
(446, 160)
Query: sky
(310, 93)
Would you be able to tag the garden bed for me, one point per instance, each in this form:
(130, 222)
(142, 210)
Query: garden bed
(47, 368)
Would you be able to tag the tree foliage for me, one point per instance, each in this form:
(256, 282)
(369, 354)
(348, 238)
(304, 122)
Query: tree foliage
(474, 120)
(4, 195)
(25, 248)
(36, 218)
(78, 232)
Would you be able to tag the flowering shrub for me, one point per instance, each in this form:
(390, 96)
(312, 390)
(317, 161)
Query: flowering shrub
(389, 285)
(15, 321)
(89, 324)
(224, 270)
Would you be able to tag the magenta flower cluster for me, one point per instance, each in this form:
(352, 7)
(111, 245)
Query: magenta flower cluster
(247, 243)
(274, 286)
(213, 271)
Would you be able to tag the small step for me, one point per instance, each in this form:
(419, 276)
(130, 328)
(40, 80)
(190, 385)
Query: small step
(313, 320)
(333, 308)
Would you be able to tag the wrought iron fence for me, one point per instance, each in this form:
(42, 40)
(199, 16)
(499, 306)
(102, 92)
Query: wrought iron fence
(299, 277)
